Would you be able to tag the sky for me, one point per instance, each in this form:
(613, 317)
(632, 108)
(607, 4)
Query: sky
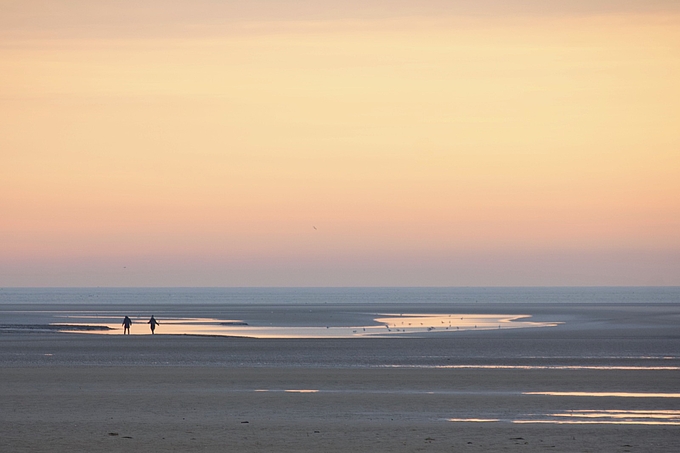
(339, 143)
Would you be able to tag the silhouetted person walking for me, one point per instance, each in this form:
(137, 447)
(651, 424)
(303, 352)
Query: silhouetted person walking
(153, 323)
(127, 322)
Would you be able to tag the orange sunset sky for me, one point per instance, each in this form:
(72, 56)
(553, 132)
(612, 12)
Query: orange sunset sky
(339, 143)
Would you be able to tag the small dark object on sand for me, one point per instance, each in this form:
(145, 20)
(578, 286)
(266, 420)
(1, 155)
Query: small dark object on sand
(113, 434)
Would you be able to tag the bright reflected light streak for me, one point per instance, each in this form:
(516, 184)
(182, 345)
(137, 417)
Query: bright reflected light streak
(540, 367)
(608, 394)
(591, 417)
(475, 420)
(664, 415)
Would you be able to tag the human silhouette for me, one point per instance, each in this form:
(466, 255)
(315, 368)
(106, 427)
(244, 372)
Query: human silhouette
(153, 323)
(127, 322)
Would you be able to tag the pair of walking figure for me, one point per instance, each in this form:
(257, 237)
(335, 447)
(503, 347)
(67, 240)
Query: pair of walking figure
(127, 322)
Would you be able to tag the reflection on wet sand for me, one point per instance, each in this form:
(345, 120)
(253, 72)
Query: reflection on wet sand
(288, 391)
(430, 322)
(609, 417)
(665, 415)
(541, 367)
(609, 394)
(384, 325)
(474, 420)
(591, 417)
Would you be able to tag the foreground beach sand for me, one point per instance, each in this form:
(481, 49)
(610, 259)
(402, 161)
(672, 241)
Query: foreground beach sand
(217, 409)
(65, 392)
(51, 401)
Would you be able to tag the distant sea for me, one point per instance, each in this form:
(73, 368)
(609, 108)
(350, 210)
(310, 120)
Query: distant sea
(362, 296)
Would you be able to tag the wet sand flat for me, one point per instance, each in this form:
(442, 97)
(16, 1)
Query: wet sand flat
(604, 379)
(216, 408)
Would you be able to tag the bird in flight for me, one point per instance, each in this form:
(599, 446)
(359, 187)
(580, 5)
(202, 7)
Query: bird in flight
(313, 227)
